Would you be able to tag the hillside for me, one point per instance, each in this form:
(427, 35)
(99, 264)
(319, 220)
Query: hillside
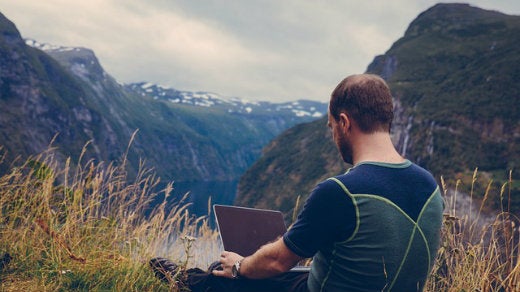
(302, 152)
(50, 91)
(454, 76)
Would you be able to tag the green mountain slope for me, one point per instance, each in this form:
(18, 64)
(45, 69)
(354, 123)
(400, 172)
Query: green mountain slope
(455, 75)
(455, 79)
(282, 173)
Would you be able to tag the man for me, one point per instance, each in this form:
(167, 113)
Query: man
(374, 228)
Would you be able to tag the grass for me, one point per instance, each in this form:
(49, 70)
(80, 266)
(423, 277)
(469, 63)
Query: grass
(87, 228)
(478, 251)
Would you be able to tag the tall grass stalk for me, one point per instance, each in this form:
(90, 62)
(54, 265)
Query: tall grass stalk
(88, 228)
(476, 254)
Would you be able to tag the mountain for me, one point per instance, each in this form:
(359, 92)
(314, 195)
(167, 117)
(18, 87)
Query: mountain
(40, 99)
(199, 140)
(455, 79)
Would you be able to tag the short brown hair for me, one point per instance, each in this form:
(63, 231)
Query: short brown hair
(367, 99)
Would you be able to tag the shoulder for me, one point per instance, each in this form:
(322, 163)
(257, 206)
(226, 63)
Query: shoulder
(328, 216)
(328, 192)
(422, 173)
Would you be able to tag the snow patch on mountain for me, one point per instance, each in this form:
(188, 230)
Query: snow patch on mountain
(299, 109)
(48, 47)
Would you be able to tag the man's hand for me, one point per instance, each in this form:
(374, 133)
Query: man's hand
(271, 259)
(228, 260)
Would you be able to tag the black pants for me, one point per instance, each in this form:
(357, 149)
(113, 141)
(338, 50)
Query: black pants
(204, 281)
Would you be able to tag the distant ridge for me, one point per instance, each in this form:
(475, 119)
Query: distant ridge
(233, 105)
(72, 56)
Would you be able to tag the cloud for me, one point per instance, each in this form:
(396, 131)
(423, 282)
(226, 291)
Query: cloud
(268, 50)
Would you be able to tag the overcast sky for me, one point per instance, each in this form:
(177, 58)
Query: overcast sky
(275, 50)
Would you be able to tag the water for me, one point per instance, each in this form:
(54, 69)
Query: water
(220, 192)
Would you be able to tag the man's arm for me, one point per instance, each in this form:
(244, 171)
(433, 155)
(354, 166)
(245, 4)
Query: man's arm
(270, 260)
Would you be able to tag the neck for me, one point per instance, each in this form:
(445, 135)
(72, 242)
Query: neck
(376, 147)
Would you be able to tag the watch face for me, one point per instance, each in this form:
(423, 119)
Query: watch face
(234, 269)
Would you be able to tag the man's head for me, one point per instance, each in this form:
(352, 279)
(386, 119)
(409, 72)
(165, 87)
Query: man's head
(360, 101)
(366, 99)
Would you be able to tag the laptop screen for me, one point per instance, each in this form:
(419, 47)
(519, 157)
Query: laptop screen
(245, 230)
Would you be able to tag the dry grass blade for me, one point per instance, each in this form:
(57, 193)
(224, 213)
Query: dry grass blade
(59, 240)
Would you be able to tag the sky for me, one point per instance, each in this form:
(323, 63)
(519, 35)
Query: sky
(269, 50)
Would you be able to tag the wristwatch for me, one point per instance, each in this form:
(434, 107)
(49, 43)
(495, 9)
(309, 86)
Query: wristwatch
(235, 270)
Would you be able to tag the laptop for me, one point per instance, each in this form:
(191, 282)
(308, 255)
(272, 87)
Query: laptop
(244, 230)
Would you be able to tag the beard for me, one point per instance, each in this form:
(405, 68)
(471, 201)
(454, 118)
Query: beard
(345, 149)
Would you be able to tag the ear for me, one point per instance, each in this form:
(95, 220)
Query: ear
(344, 121)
